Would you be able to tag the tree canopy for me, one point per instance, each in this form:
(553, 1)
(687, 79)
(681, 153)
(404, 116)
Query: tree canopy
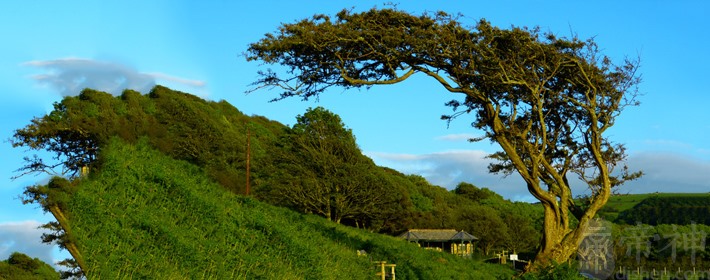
(21, 266)
(546, 101)
(321, 170)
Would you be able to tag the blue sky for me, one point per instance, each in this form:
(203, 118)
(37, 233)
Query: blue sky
(55, 48)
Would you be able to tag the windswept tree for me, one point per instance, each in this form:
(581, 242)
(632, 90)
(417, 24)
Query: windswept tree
(547, 101)
(72, 146)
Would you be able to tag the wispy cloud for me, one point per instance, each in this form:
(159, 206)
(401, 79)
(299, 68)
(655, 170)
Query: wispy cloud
(457, 137)
(666, 143)
(161, 76)
(71, 75)
(703, 151)
(24, 237)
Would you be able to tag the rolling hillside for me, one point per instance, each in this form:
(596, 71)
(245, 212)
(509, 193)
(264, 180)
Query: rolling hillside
(625, 203)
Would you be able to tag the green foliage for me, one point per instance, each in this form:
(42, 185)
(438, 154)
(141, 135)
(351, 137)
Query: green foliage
(661, 246)
(624, 202)
(486, 224)
(162, 218)
(555, 272)
(54, 194)
(209, 134)
(472, 192)
(23, 261)
(321, 170)
(71, 145)
(421, 202)
(22, 267)
(499, 223)
(681, 210)
(522, 235)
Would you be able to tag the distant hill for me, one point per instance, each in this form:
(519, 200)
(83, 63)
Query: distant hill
(144, 215)
(646, 208)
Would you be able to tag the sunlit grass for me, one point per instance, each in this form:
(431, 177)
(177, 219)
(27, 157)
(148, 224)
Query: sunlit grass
(144, 215)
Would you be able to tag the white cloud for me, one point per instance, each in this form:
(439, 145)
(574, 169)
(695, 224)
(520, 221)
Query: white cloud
(24, 237)
(449, 168)
(71, 75)
(664, 172)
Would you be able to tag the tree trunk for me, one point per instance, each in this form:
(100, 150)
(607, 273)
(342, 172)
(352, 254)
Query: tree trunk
(558, 243)
(486, 249)
(328, 215)
(70, 246)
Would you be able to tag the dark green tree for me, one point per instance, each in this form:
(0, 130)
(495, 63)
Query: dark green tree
(321, 170)
(20, 266)
(472, 192)
(522, 235)
(486, 224)
(72, 146)
(547, 101)
(23, 261)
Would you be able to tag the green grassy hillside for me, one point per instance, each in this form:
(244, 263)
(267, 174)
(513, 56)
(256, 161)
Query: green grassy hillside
(621, 203)
(213, 137)
(143, 215)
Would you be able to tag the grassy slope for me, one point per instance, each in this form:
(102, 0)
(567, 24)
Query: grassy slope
(144, 215)
(620, 203)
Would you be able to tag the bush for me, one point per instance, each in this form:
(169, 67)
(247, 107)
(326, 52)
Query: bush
(555, 272)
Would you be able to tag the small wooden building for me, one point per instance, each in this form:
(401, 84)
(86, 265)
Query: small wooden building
(449, 240)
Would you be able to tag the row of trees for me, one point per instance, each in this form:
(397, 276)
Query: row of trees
(209, 134)
(321, 170)
(498, 223)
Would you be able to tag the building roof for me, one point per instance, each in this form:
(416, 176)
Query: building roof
(437, 235)
(463, 236)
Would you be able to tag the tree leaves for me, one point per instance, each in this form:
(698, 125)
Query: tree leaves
(21, 266)
(321, 170)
